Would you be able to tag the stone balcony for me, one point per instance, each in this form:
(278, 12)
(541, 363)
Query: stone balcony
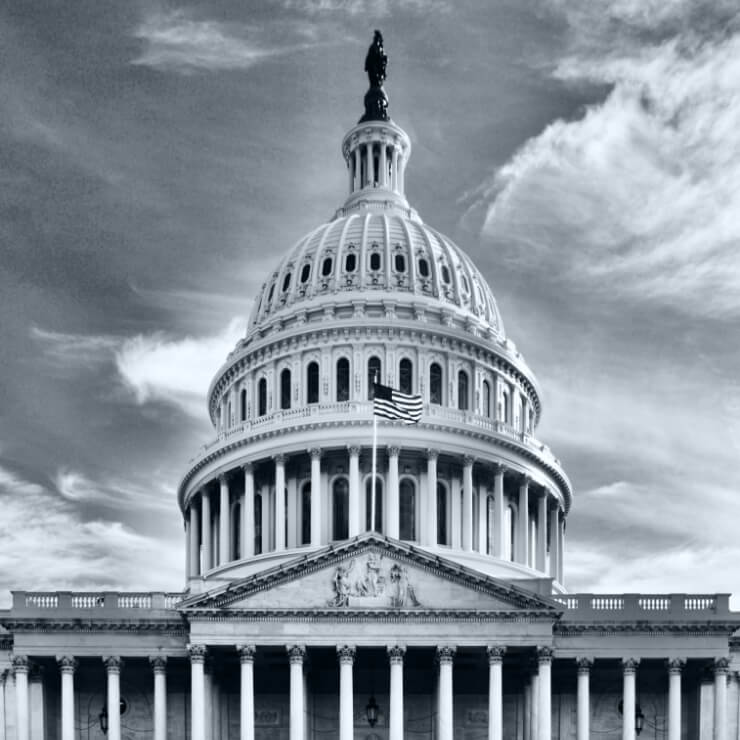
(92, 603)
(643, 607)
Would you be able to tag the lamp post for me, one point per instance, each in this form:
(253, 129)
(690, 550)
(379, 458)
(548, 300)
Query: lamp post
(371, 711)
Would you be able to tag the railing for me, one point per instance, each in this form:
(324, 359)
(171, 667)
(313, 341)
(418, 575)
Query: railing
(364, 409)
(89, 601)
(643, 606)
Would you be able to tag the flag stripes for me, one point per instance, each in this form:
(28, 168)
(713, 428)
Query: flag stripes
(392, 404)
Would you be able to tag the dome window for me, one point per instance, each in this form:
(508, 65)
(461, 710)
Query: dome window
(285, 389)
(305, 273)
(405, 376)
(407, 510)
(462, 391)
(375, 261)
(441, 515)
(350, 263)
(326, 267)
(343, 379)
(286, 282)
(312, 382)
(262, 397)
(340, 509)
(271, 294)
(465, 285)
(243, 405)
(446, 274)
(373, 375)
(435, 384)
(306, 513)
(400, 263)
(423, 268)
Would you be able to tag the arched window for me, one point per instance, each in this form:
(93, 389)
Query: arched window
(228, 414)
(375, 261)
(306, 514)
(286, 282)
(490, 523)
(236, 531)
(462, 390)
(486, 400)
(257, 523)
(510, 527)
(262, 397)
(442, 515)
(407, 509)
(399, 262)
(406, 376)
(326, 267)
(285, 389)
(305, 273)
(378, 504)
(423, 268)
(350, 262)
(312, 382)
(343, 379)
(340, 509)
(445, 274)
(506, 407)
(243, 404)
(435, 384)
(374, 367)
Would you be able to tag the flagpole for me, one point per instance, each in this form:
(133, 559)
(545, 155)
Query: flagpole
(375, 452)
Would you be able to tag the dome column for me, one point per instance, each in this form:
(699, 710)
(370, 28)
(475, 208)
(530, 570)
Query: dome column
(467, 504)
(316, 502)
(523, 520)
(561, 545)
(224, 529)
(382, 175)
(431, 508)
(279, 502)
(554, 541)
(205, 525)
(194, 535)
(354, 492)
(247, 538)
(499, 508)
(541, 554)
(393, 515)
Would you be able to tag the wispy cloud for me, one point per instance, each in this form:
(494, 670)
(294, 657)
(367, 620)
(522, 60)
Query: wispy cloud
(176, 41)
(150, 367)
(640, 196)
(49, 545)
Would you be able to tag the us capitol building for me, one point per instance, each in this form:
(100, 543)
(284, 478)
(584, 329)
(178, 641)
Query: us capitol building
(442, 613)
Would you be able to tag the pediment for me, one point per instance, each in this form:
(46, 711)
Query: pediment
(370, 573)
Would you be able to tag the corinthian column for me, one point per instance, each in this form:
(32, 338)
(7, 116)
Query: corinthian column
(721, 667)
(675, 666)
(584, 701)
(346, 655)
(395, 656)
(544, 688)
(354, 492)
(629, 700)
(23, 720)
(296, 654)
(392, 514)
(279, 502)
(159, 667)
(445, 656)
(246, 704)
(316, 503)
(247, 538)
(467, 510)
(205, 528)
(224, 522)
(197, 691)
(67, 665)
(431, 532)
(499, 508)
(495, 692)
(113, 669)
(523, 521)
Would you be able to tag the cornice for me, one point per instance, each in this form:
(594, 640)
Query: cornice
(72, 624)
(655, 629)
(281, 431)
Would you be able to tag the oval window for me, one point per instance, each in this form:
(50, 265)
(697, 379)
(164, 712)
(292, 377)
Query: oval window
(350, 263)
(326, 267)
(445, 274)
(286, 282)
(305, 273)
(375, 261)
(400, 263)
(423, 268)
(272, 292)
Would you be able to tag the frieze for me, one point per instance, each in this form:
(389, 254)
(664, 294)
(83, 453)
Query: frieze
(369, 580)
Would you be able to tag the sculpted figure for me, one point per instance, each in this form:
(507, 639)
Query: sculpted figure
(375, 61)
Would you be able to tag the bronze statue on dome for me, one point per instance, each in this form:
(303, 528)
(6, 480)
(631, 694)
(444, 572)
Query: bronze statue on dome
(376, 101)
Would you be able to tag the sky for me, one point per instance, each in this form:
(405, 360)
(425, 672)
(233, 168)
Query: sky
(157, 158)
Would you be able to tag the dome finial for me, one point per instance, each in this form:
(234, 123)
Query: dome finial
(376, 101)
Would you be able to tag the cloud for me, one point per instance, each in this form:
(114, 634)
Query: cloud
(150, 367)
(639, 197)
(176, 371)
(174, 41)
(49, 545)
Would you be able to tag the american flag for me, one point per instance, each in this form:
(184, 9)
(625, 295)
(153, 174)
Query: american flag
(392, 404)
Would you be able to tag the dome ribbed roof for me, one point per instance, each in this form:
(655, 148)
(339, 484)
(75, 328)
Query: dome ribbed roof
(371, 251)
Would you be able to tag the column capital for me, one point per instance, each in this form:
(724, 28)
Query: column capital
(36, 672)
(246, 653)
(66, 663)
(446, 654)
(432, 454)
(315, 453)
(354, 450)
(499, 469)
(396, 653)
(112, 663)
(675, 665)
(629, 665)
(247, 467)
(223, 479)
(584, 665)
(346, 654)
(525, 480)
(721, 666)
(21, 664)
(393, 450)
(158, 663)
(545, 654)
(296, 654)
(468, 461)
(495, 653)
(279, 459)
(197, 653)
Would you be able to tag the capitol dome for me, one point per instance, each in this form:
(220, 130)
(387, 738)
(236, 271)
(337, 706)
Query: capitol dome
(375, 293)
